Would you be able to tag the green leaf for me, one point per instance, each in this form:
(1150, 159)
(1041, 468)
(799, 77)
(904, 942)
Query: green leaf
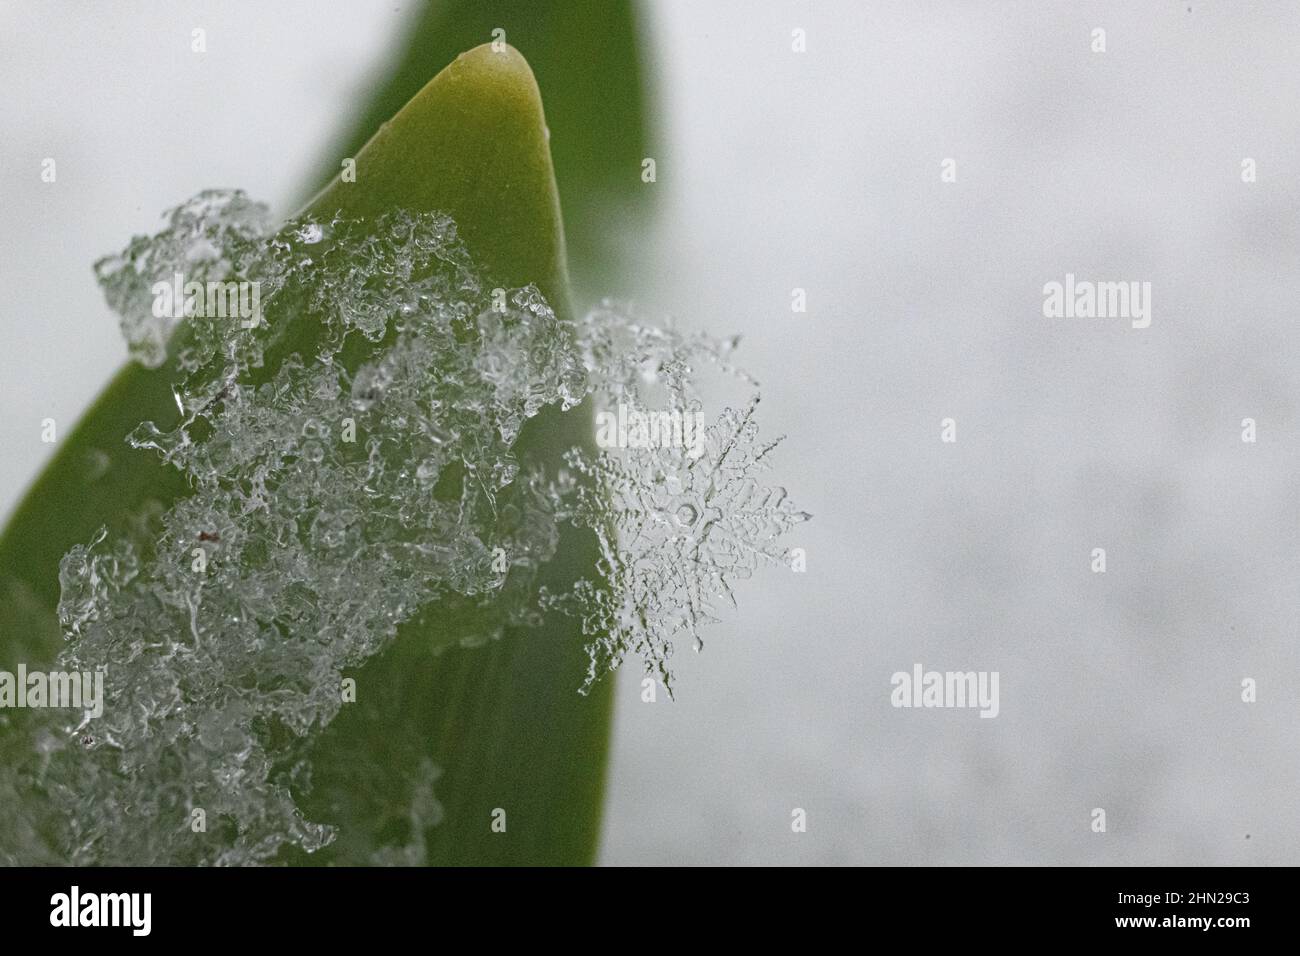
(471, 143)
(504, 723)
(588, 58)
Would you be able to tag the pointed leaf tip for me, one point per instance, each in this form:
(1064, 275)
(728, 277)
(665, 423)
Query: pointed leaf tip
(473, 144)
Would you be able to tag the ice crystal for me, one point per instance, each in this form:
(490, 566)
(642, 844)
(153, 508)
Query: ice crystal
(630, 359)
(352, 461)
(676, 532)
(207, 238)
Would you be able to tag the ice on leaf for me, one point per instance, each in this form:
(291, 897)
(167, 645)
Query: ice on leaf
(352, 462)
(676, 531)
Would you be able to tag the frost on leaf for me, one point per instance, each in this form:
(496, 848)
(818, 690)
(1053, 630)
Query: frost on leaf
(678, 522)
(352, 462)
(676, 531)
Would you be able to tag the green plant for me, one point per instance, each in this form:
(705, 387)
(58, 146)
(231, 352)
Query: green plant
(503, 722)
(590, 59)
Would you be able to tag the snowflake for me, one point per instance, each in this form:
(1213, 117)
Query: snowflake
(676, 530)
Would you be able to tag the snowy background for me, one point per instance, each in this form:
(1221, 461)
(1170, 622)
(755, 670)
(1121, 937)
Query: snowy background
(821, 170)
